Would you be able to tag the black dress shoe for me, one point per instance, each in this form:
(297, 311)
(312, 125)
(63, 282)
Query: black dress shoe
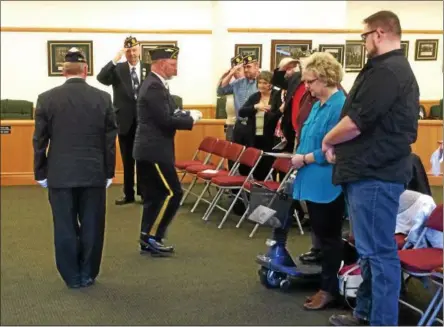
(76, 285)
(124, 200)
(156, 246)
(312, 256)
(87, 282)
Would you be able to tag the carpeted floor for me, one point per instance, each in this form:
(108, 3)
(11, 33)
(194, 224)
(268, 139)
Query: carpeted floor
(212, 280)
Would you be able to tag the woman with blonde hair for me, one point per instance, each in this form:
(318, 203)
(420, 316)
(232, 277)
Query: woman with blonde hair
(322, 74)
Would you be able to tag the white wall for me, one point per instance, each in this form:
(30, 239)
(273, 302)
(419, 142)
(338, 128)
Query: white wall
(419, 15)
(203, 58)
(24, 72)
(414, 15)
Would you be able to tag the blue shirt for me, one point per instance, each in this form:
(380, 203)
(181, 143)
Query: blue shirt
(314, 181)
(241, 88)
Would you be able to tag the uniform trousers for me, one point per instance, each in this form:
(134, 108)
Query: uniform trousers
(79, 226)
(126, 143)
(162, 192)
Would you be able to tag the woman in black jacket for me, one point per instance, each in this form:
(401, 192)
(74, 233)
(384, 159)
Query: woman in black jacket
(259, 116)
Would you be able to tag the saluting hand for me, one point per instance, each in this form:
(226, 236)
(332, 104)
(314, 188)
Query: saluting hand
(119, 55)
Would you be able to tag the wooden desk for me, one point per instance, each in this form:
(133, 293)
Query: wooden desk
(17, 151)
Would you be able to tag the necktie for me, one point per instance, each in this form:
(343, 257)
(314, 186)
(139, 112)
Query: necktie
(167, 86)
(135, 80)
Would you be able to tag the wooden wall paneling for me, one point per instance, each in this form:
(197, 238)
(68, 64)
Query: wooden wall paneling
(17, 152)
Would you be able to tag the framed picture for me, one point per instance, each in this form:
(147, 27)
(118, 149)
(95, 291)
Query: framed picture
(426, 50)
(405, 48)
(337, 50)
(354, 56)
(287, 48)
(249, 49)
(56, 55)
(145, 46)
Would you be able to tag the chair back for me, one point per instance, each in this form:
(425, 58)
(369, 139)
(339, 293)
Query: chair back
(16, 109)
(220, 148)
(207, 144)
(234, 151)
(250, 157)
(435, 219)
(282, 165)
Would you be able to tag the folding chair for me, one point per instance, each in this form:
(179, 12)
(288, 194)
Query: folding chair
(250, 158)
(421, 262)
(206, 146)
(233, 154)
(435, 304)
(280, 165)
(219, 150)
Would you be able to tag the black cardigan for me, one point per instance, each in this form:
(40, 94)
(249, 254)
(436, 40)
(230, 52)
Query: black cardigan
(270, 120)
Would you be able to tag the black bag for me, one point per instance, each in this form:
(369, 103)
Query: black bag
(269, 207)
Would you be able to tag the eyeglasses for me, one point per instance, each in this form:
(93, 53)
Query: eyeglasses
(364, 35)
(310, 81)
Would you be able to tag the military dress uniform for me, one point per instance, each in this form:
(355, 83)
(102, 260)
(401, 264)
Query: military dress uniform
(158, 120)
(125, 81)
(78, 122)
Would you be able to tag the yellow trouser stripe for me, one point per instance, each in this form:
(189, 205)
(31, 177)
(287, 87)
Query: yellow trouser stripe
(159, 217)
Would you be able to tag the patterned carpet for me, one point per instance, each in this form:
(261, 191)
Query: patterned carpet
(212, 280)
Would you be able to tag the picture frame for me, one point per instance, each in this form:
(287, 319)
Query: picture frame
(287, 48)
(337, 50)
(249, 49)
(405, 48)
(57, 50)
(426, 50)
(145, 46)
(354, 56)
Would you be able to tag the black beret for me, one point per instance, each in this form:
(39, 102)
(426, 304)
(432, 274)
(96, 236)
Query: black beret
(130, 42)
(74, 55)
(164, 52)
(236, 60)
(249, 59)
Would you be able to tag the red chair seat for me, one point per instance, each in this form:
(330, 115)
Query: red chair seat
(421, 260)
(271, 185)
(208, 176)
(194, 169)
(229, 180)
(399, 238)
(185, 163)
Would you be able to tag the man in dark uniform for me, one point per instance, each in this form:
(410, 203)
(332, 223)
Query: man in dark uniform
(78, 122)
(125, 78)
(158, 120)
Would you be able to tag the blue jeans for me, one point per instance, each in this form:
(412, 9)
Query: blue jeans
(373, 207)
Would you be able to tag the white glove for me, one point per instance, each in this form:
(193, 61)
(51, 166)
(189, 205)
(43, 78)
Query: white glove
(109, 181)
(43, 183)
(196, 115)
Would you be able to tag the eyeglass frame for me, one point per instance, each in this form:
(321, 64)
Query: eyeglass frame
(364, 35)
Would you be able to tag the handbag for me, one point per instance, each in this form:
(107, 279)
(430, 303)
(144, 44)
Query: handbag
(350, 278)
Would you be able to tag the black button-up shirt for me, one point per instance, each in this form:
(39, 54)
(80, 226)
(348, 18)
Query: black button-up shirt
(384, 104)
